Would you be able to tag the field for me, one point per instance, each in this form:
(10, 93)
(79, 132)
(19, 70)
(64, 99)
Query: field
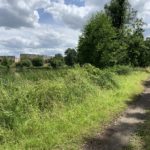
(58, 109)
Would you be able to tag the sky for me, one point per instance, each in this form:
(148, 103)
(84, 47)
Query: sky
(48, 27)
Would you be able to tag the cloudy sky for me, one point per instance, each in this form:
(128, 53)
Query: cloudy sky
(50, 26)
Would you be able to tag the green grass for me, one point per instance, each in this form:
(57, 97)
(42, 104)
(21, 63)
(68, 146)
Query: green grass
(57, 109)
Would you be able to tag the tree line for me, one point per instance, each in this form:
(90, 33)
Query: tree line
(57, 61)
(114, 36)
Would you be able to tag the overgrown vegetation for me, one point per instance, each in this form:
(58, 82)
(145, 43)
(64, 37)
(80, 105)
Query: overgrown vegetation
(38, 62)
(57, 61)
(24, 63)
(6, 62)
(55, 109)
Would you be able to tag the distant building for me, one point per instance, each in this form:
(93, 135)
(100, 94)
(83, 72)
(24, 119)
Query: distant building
(17, 60)
(30, 56)
(11, 58)
(14, 59)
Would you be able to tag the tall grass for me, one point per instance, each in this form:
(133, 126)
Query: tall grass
(55, 109)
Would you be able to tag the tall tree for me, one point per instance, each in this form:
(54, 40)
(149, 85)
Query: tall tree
(120, 12)
(113, 37)
(147, 56)
(97, 44)
(137, 50)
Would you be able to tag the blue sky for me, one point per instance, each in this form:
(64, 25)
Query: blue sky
(50, 26)
(75, 2)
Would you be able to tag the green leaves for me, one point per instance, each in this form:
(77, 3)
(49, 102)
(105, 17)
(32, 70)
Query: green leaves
(71, 57)
(57, 61)
(96, 41)
(114, 38)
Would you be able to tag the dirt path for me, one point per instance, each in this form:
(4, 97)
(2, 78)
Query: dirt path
(117, 136)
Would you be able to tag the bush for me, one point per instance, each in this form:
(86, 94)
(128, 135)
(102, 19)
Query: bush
(71, 57)
(24, 63)
(57, 61)
(38, 62)
(18, 64)
(122, 70)
(6, 62)
(103, 78)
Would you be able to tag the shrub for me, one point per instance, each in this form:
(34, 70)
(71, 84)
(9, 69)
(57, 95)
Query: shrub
(57, 61)
(122, 70)
(103, 78)
(18, 64)
(71, 57)
(38, 62)
(26, 63)
(6, 62)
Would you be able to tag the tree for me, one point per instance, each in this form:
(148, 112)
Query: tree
(97, 44)
(137, 50)
(114, 38)
(147, 54)
(37, 62)
(120, 13)
(71, 57)
(129, 31)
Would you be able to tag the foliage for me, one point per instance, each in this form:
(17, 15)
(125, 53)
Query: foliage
(57, 61)
(137, 51)
(114, 37)
(71, 57)
(24, 63)
(6, 62)
(147, 52)
(122, 70)
(37, 62)
(97, 44)
(120, 13)
(54, 109)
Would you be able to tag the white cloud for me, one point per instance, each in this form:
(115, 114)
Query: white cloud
(143, 8)
(39, 39)
(96, 3)
(71, 15)
(20, 13)
(27, 35)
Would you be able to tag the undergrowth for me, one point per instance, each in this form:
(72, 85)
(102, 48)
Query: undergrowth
(55, 109)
